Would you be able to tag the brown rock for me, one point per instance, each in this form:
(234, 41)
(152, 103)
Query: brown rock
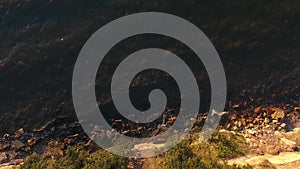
(257, 109)
(17, 144)
(239, 123)
(172, 118)
(31, 142)
(62, 145)
(27, 149)
(53, 152)
(243, 120)
(69, 141)
(3, 158)
(12, 155)
(4, 146)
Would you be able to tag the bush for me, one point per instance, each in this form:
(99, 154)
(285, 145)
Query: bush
(76, 157)
(211, 154)
(228, 145)
(33, 162)
(103, 159)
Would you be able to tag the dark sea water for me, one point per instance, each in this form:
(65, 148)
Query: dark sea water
(258, 43)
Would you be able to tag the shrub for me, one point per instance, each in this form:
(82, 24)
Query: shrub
(76, 157)
(191, 154)
(103, 159)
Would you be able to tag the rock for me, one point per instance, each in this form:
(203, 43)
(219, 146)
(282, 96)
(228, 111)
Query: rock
(278, 114)
(273, 150)
(17, 144)
(243, 120)
(19, 133)
(288, 145)
(239, 124)
(257, 110)
(283, 125)
(31, 142)
(27, 149)
(3, 158)
(53, 152)
(12, 155)
(278, 134)
(235, 106)
(4, 146)
(5, 136)
(16, 162)
(69, 141)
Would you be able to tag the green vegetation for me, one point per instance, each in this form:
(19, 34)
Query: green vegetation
(211, 154)
(190, 153)
(77, 158)
(228, 145)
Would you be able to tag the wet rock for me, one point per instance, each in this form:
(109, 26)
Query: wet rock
(17, 144)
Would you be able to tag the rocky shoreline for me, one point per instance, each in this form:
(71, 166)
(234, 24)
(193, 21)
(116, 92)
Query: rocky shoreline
(267, 130)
